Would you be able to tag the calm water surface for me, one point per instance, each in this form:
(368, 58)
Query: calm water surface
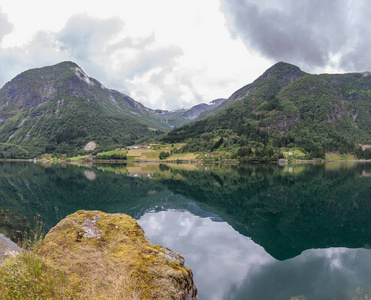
(246, 231)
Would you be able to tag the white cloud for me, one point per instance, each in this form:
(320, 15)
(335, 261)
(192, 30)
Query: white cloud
(83, 37)
(165, 54)
(5, 26)
(101, 49)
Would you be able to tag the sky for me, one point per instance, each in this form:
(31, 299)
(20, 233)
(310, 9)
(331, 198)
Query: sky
(169, 54)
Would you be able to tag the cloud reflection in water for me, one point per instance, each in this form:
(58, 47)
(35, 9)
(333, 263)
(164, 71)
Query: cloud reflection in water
(228, 265)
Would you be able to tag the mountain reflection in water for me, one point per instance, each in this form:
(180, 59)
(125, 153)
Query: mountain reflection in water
(228, 265)
(247, 231)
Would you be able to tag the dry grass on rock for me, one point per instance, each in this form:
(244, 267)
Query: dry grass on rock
(93, 255)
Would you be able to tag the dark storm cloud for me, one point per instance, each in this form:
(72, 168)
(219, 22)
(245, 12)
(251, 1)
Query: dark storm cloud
(309, 33)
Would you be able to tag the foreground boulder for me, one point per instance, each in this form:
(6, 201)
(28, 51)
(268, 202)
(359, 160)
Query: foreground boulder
(94, 255)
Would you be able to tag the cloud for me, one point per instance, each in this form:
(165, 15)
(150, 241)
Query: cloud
(345, 272)
(132, 65)
(5, 26)
(40, 51)
(313, 34)
(84, 37)
(124, 62)
(169, 61)
(169, 88)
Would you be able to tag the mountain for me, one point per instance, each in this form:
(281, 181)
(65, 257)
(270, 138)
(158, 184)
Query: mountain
(275, 78)
(182, 116)
(59, 109)
(197, 110)
(288, 107)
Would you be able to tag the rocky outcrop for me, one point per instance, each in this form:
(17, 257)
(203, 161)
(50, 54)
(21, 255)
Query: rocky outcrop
(107, 256)
(7, 248)
(90, 146)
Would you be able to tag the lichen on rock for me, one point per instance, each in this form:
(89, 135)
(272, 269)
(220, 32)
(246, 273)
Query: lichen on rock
(107, 256)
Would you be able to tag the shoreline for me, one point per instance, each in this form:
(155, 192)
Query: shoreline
(197, 162)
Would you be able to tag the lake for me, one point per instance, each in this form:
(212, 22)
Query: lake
(262, 231)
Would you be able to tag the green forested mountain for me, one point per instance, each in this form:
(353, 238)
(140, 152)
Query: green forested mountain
(287, 107)
(269, 83)
(59, 109)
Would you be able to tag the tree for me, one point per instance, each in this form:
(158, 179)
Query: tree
(164, 154)
(217, 144)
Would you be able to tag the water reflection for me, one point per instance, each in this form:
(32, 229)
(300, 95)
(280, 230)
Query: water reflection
(218, 255)
(335, 273)
(90, 174)
(228, 265)
(286, 210)
(245, 230)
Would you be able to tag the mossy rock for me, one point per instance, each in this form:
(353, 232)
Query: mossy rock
(107, 256)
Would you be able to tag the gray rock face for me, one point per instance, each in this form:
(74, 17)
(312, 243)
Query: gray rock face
(90, 146)
(193, 112)
(7, 248)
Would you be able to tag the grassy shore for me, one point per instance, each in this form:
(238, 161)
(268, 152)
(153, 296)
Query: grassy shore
(155, 153)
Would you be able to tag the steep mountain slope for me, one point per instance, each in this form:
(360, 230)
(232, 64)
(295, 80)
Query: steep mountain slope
(60, 109)
(41, 86)
(267, 84)
(287, 107)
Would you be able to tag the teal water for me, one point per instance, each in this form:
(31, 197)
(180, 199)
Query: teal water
(246, 231)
